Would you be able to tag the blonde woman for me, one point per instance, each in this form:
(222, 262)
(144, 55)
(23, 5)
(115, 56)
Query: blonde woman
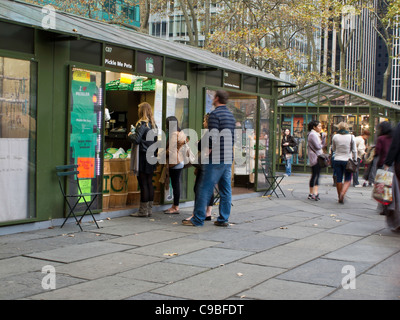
(344, 146)
(145, 124)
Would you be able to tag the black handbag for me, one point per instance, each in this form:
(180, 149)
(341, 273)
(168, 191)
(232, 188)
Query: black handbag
(324, 160)
(351, 165)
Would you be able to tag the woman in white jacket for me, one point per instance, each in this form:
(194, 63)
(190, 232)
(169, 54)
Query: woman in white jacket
(345, 148)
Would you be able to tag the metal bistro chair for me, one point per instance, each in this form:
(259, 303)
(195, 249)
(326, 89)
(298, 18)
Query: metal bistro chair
(72, 199)
(273, 180)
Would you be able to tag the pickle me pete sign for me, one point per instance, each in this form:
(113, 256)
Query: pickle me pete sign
(119, 58)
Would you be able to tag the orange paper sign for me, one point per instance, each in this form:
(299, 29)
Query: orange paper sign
(86, 168)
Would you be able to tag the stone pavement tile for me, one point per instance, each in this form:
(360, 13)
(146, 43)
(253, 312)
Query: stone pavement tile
(260, 225)
(210, 257)
(219, 283)
(292, 232)
(175, 246)
(324, 241)
(252, 215)
(362, 252)
(25, 246)
(369, 287)
(381, 240)
(149, 237)
(322, 272)
(275, 289)
(153, 296)
(21, 265)
(359, 228)
(389, 267)
(107, 288)
(136, 226)
(105, 265)
(18, 248)
(294, 217)
(28, 284)
(283, 257)
(223, 234)
(326, 221)
(256, 243)
(162, 272)
(80, 251)
(20, 237)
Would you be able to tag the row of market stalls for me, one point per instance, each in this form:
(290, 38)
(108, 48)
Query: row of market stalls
(69, 93)
(330, 104)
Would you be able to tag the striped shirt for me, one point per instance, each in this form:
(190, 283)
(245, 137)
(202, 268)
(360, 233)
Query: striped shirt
(221, 126)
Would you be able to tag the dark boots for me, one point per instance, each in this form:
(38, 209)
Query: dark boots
(142, 212)
(145, 210)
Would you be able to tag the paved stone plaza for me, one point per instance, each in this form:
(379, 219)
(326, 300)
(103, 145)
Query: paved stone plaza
(287, 248)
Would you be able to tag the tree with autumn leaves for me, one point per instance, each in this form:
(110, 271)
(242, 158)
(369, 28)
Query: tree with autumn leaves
(276, 36)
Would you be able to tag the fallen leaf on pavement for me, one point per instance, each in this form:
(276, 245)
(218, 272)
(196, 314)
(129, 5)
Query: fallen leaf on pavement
(170, 254)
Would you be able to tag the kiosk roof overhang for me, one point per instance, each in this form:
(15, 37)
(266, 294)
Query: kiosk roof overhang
(326, 94)
(85, 28)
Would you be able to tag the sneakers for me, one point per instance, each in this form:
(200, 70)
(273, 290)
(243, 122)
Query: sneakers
(358, 186)
(314, 197)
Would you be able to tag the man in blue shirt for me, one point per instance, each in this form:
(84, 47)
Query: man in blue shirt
(221, 126)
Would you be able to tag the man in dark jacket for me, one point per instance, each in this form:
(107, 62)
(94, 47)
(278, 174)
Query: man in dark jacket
(221, 126)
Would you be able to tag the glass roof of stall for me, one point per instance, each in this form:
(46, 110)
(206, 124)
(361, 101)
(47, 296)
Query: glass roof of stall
(326, 94)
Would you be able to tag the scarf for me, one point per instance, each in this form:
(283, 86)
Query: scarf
(342, 131)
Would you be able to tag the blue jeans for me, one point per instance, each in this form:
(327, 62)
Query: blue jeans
(213, 174)
(288, 165)
(340, 169)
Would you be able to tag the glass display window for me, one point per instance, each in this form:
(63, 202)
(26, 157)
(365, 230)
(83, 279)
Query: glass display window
(17, 139)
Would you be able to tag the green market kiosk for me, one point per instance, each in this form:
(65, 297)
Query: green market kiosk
(69, 94)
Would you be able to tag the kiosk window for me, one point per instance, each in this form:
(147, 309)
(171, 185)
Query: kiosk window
(17, 139)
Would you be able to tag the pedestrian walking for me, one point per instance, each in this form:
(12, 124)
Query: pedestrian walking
(287, 154)
(175, 140)
(221, 126)
(383, 143)
(142, 166)
(361, 142)
(344, 146)
(316, 141)
(392, 211)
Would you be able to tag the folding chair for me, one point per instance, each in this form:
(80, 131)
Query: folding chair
(273, 180)
(72, 199)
